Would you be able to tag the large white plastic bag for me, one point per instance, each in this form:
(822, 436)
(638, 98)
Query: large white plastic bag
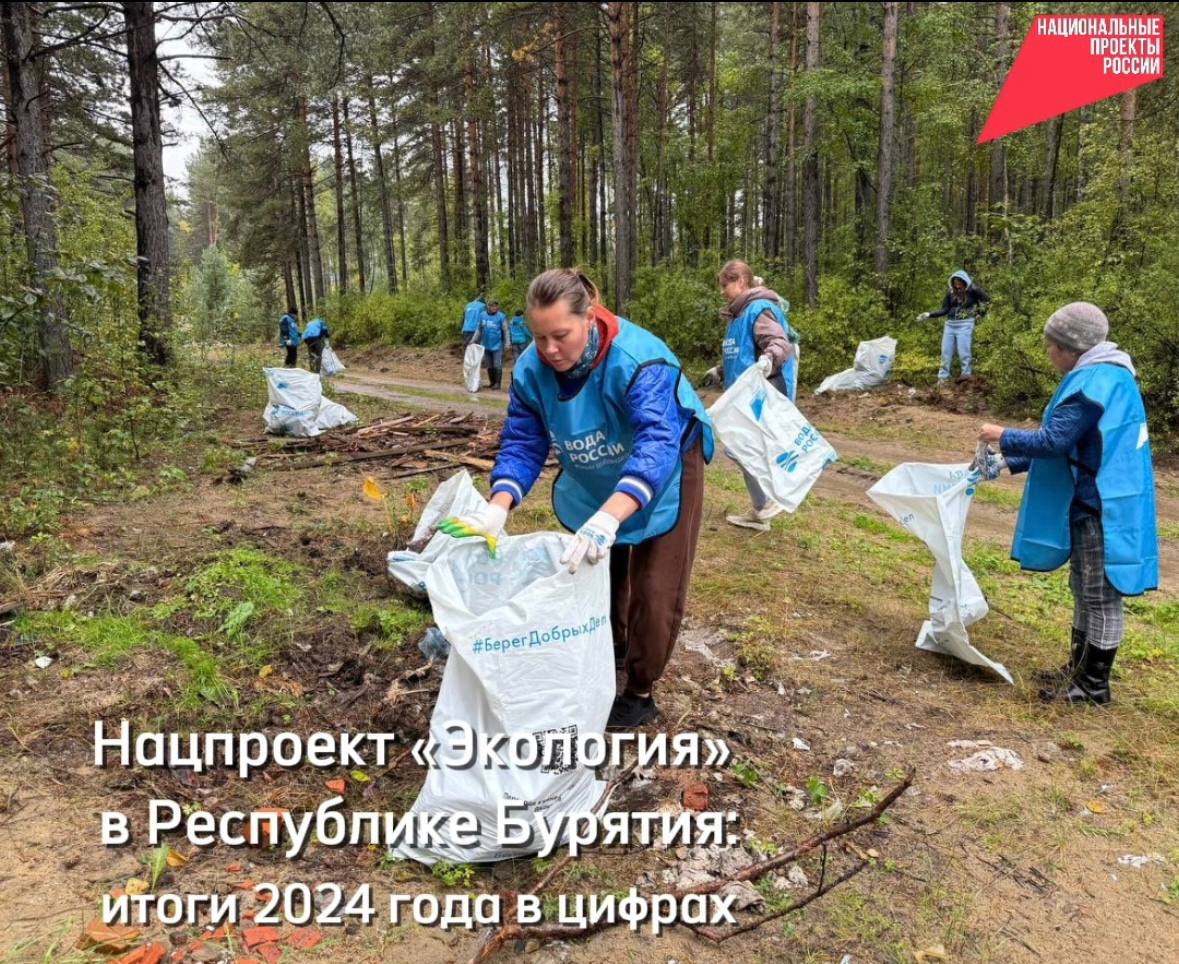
(932, 502)
(329, 362)
(764, 431)
(874, 360)
(454, 497)
(531, 653)
(472, 363)
(296, 405)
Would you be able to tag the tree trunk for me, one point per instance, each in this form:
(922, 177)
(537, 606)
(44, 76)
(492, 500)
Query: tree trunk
(1129, 115)
(151, 204)
(461, 220)
(356, 220)
(382, 185)
(341, 227)
(997, 193)
(400, 196)
(319, 289)
(791, 200)
(439, 149)
(810, 174)
(288, 283)
(884, 153)
(482, 267)
(541, 113)
(28, 153)
(620, 19)
(773, 139)
(302, 258)
(564, 45)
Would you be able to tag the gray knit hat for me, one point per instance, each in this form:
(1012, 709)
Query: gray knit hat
(1077, 326)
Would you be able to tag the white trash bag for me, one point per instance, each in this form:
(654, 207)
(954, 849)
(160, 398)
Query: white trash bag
(456, 496)
(873, 364)
(932, 502)
(764, 431)
(472, 367)
(531, 654)
(329, 362)
(296, 405)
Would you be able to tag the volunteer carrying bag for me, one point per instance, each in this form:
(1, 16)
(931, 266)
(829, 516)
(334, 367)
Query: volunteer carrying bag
(932, 502)
(532, 657)
(764, 431)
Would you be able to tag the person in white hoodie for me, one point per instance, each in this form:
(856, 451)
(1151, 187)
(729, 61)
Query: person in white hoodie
(1089, 497)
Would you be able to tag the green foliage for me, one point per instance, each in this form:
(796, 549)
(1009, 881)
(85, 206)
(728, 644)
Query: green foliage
(222, 303)
(419, 317)
(681, 305)
(240, 584)
(453, 875)
(391, 625)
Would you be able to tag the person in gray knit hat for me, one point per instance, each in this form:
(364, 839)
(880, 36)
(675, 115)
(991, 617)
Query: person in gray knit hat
(1089, 497)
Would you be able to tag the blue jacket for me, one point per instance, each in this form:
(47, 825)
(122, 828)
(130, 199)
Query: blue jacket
(491, 331)
(288, 331)
(1123, 484)
(519, 329)
(624, 428)
(316, 328)
(973, 304)
(471, 315)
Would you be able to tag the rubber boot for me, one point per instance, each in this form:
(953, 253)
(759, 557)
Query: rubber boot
(1090, 682)
(1059, 676)
(496, 374)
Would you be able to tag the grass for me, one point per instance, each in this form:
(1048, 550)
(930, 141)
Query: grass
(997, 495)
(866, 464)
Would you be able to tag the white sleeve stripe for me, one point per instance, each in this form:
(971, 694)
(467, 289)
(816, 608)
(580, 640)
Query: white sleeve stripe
(646, 490)
(515, 486)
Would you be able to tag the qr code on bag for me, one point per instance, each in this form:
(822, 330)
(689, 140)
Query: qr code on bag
(558, 749)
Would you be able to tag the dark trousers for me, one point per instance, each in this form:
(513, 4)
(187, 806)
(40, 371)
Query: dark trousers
(649, 584)
(292, 357)
(314, 353)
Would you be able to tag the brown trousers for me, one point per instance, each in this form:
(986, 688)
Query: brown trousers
(649, 584)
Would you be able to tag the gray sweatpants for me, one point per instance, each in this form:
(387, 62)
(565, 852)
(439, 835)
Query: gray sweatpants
(1097, 605)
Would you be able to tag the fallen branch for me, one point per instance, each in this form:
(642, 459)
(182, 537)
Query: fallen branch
(553, 932)
(341, 458)
(484, 465)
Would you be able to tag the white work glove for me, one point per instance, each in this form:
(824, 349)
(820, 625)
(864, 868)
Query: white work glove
(489, 519)
(765, 365)
(995, 464)
(924, 316)
(592, 541)
(710, 377)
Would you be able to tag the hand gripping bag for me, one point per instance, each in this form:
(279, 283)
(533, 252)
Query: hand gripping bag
(764, 431)
(532, 655)
(472, 365)
(456, 496)
(932, 502)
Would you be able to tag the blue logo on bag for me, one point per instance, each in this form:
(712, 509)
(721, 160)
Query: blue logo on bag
(758, 404)
(787, 461)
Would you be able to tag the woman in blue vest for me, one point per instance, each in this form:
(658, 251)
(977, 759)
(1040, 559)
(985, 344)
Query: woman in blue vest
(520, 335)
(1089, 497)
(472, 314)
(491, 334)
(288, 336)
(757, 334)
(632, 439)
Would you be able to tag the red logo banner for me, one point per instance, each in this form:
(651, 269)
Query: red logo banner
(1067, 61)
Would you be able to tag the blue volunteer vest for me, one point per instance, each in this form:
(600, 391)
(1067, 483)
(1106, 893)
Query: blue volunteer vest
(592, 435)
(519, 331)
(493, 332)
(1125, 481)
(740, 349)
(288, 331)
(471, 315)
(314, 329)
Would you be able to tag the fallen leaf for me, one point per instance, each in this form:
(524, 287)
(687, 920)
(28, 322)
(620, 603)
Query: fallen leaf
(304, 938)
(221, 932)
(246, 885)
(246, 960)
(336, 786)
(176, 859)
(270, 953)
(136, 886)
(1096, 806)
(360, 776)
(234, 869)
(372, 490)
(253, 936)
(265, 671)
(268, 825)
(107, 937)
(935, 953)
